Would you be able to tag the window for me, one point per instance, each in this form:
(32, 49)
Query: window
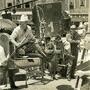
(18, 2)
(9, 4)
(82, 2)
(18, 6)
(71, 5)
(27, 5)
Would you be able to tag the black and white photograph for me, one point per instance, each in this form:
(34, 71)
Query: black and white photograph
(44, 44)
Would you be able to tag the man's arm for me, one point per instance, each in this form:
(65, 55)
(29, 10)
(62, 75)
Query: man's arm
(32, 38)
(69, 39)
(30, 34)
(13, 37)
(15, 43)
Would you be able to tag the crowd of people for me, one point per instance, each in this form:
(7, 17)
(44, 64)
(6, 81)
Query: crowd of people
(53, 51)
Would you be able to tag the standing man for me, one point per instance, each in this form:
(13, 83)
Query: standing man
(50, 49)
(74, 39)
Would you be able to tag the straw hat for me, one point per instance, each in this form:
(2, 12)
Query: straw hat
(24, 18)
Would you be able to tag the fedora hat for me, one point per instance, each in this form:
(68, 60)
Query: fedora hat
(23, 18)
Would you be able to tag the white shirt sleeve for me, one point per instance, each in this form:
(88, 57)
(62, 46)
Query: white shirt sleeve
(30, 33)
(14, 33)
(2, 55)
(68, 37)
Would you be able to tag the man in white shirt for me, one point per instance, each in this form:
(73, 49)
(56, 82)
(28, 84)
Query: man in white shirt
(23, 34)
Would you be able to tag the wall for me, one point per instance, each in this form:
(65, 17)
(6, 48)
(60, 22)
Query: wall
(1, 4)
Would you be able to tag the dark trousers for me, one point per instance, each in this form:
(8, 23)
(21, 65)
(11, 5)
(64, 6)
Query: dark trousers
(74, 52)
(11, 77)
(53, 66)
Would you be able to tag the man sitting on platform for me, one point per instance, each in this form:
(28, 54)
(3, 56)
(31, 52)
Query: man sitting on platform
(23, 34)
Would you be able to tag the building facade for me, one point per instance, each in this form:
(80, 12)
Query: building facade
(21, 9)
(18, 10)
(1, 4)
(53, 12)
(78, 10)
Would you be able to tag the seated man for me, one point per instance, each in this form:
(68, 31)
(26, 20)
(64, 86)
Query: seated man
(22, 34)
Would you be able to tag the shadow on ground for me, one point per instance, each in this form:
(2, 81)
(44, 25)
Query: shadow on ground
(43, 81)
(65, 87)
(19, 88)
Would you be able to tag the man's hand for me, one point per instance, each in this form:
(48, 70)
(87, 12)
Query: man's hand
(18, 44)
(80, 73)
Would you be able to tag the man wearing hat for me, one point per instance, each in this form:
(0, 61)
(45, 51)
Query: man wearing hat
(74, 39)
(21, 35)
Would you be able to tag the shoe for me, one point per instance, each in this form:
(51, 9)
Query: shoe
(54, 78)
(72, 77)
(14, 87)
(57, 76)
(68, 78)
(48, 77)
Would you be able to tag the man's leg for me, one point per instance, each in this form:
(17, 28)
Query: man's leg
(70, 59)
(53, 66)
(11, 78)
(74, 51)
